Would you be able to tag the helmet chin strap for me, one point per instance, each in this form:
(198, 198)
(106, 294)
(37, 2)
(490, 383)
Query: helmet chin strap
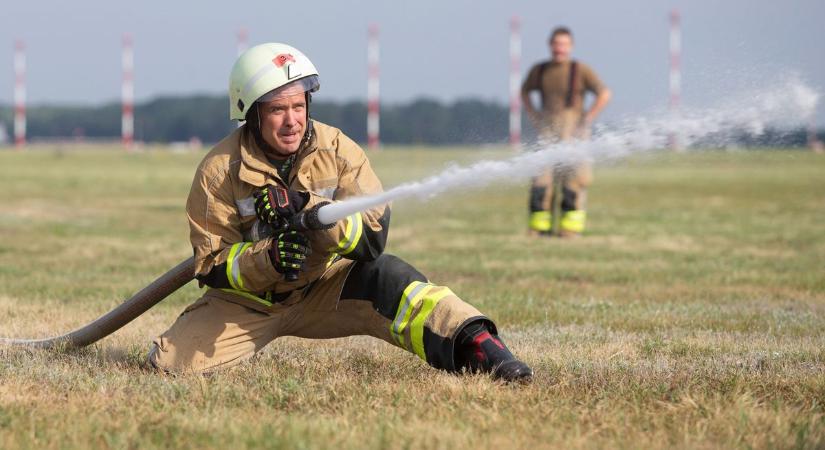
(255, 128)
(308, 133)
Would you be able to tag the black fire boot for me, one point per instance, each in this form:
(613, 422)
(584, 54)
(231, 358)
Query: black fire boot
(481, 351)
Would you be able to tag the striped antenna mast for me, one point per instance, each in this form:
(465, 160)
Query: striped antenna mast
(813, 139)
(243, 40)
(127, 92)
(19, 94)
(373, 104)
(515, 79)
(675, 71)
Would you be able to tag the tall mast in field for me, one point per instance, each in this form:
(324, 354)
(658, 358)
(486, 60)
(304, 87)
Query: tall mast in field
(675, 72)
(373, 105)
(19, 94)
(515, 79)
(127, 92)
(242, 40)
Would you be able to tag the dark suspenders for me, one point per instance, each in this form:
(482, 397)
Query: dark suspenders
(571, 85)
(571, 82)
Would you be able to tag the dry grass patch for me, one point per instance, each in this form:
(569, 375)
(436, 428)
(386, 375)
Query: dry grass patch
(690, 316)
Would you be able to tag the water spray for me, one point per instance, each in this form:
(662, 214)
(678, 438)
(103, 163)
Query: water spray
(788, 106)
(785, 107)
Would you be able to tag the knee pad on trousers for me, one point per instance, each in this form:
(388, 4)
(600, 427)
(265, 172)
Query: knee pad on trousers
(568, 199)
(537, 194)
(381, 281)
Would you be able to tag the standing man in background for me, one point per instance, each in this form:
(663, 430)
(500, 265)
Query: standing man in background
(562, 84)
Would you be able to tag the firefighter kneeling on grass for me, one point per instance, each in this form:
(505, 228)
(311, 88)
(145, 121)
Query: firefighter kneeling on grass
(327, 282)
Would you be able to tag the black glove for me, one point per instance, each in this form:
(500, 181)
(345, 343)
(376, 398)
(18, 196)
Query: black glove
(276, 205)
(289, 251)
(284, 209)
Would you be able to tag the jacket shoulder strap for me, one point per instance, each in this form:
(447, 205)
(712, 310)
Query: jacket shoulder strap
(571, 84)
(542, 68)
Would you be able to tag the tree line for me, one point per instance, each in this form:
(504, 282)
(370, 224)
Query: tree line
(175, 119)
(419, 122)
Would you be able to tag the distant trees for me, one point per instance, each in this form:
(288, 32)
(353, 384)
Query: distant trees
(170, 119)
(423, 121)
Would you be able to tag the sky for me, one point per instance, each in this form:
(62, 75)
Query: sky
(442, 49)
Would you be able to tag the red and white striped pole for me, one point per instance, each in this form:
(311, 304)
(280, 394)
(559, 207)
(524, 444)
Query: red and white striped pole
(127, 122)
(515, 80)
(19, 94)
(675, 71)
(373, 108)
(813, 140)
(243, 40)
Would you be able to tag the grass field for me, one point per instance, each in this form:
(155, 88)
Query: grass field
(692, 315)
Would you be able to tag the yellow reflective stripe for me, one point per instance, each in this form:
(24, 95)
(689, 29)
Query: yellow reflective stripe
(249, 296)
(233, 269)
(352, 234)
(407, 303)
(417, 324)
(541, 221)
(229, 263)
(573, 220)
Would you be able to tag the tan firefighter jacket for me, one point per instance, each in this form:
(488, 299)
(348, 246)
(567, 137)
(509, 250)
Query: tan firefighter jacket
(221, 211)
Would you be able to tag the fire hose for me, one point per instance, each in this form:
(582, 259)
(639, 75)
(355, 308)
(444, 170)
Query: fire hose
(127, 311)
(173, 280)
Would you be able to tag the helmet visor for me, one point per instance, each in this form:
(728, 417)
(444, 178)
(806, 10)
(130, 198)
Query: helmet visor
(306, 84)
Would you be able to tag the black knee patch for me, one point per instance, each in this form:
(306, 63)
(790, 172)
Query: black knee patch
(382, 282)
(568, 199)
(537, 194)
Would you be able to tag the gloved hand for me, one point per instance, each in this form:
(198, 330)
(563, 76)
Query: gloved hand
(276, 205)
(289, 252)
(284, 209)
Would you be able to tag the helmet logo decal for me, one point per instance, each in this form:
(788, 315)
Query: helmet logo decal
(282, 59)
(286, 59)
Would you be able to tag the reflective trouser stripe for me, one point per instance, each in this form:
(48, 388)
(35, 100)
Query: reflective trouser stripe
(573, 220)
(541, 220)
(233, 269)
(251, 296)
(409, 298)
(417, 303)
(417, 326)
(352, 234)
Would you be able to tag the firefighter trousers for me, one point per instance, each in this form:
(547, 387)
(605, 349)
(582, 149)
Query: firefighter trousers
(385, 298)
(570, 183)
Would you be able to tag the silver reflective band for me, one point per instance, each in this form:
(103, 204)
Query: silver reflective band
(234, 264)
(399, 318)
(261, 72)
(246, 206)
(326, 192)
(354, 231)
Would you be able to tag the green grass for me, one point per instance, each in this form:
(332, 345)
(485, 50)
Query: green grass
(691, 315)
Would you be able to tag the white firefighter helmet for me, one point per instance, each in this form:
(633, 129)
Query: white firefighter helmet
(266, 72)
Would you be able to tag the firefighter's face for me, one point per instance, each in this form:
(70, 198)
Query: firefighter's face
(283, 122)
(561, 46)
